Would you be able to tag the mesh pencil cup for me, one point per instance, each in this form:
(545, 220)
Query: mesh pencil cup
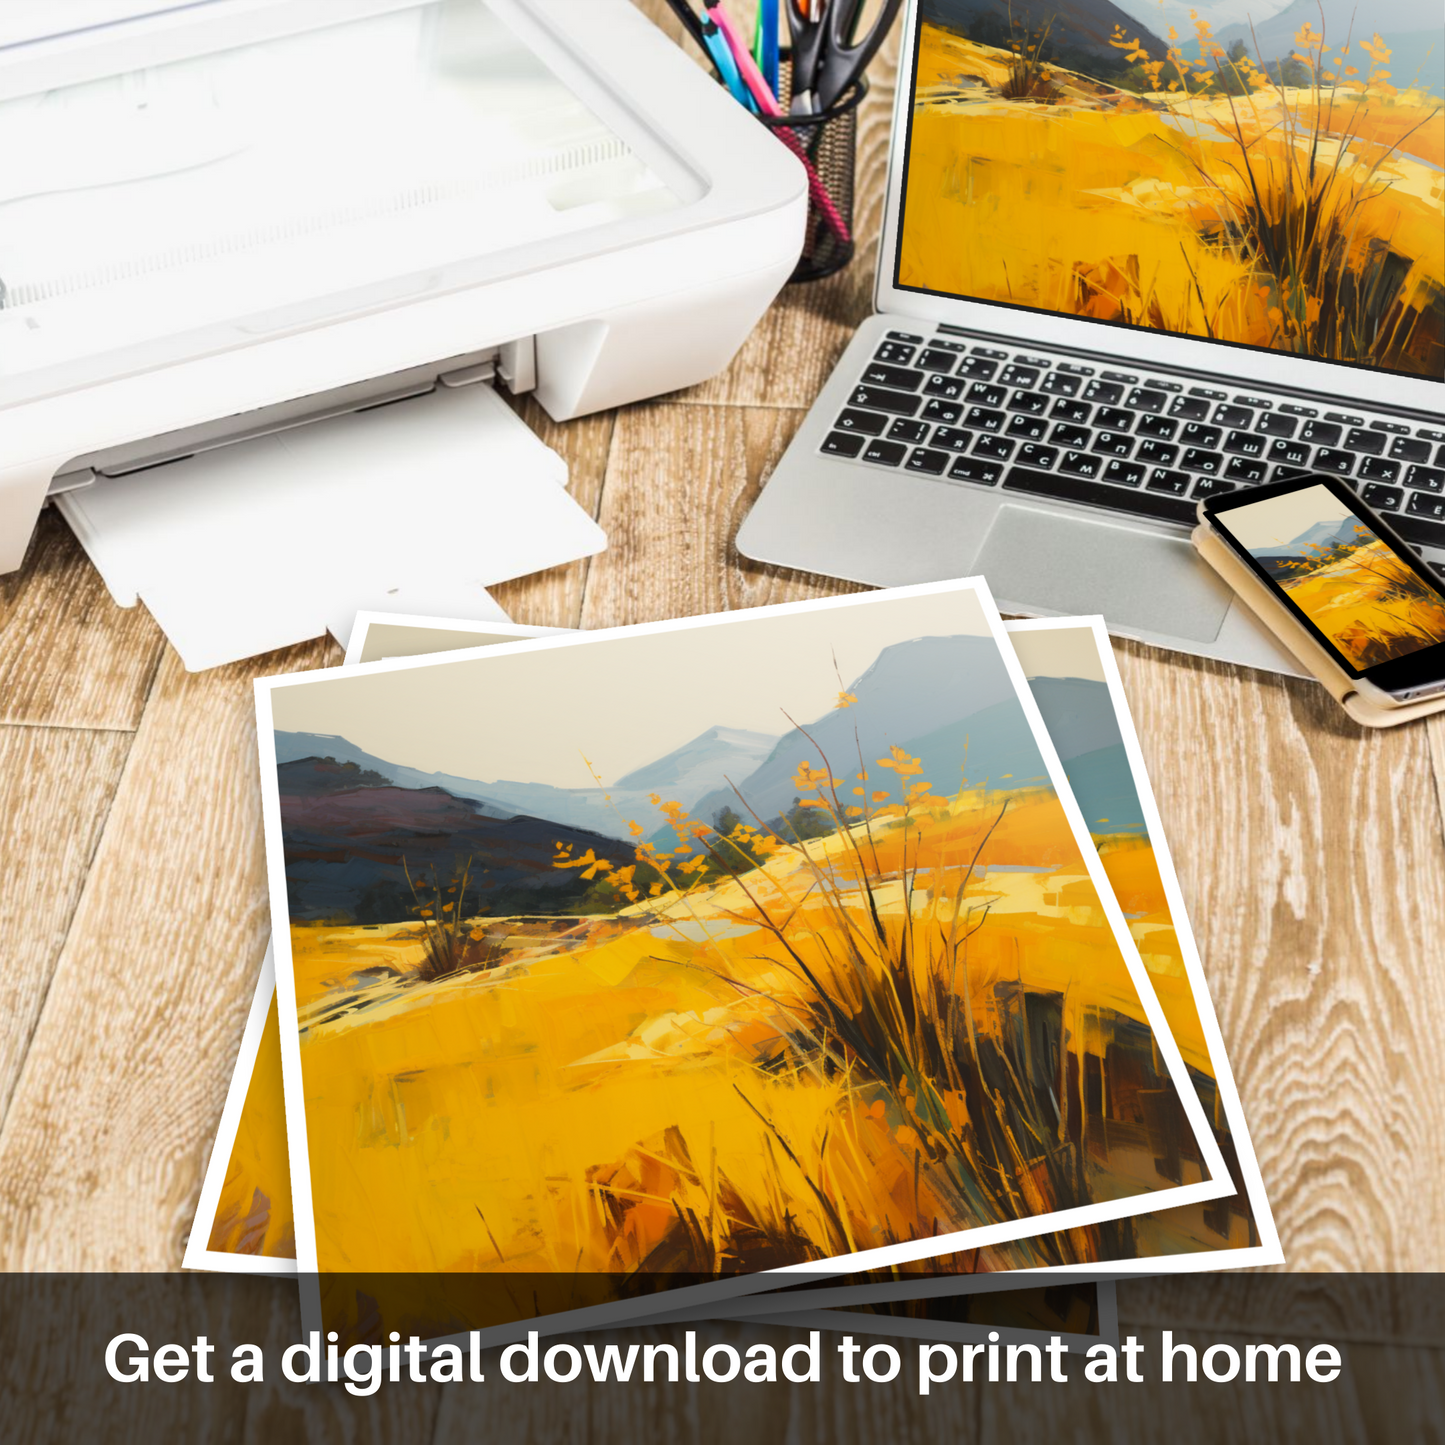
(826, 143)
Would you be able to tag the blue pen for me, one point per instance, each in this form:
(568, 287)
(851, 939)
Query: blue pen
(768, 62)
(727, 67)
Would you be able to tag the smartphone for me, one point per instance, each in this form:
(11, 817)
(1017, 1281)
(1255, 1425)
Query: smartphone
(1342, 571)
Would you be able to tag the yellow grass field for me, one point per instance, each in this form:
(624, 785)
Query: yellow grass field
(1372, 605)
(1304, 219)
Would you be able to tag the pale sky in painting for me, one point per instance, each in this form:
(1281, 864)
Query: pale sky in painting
(624, 701)
(1058, 652)
(1277, 520)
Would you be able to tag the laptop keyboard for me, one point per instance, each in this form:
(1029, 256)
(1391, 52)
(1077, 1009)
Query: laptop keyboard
(1141, 444)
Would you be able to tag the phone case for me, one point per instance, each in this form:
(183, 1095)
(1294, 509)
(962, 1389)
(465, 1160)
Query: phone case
(1338, 683)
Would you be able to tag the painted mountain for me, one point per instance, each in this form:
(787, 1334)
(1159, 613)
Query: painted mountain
(1081, 712)
(1318, 538)
(1079, 30)
(352, 820)
(696, 768)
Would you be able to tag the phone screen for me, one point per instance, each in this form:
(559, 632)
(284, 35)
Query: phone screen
(1340, 570)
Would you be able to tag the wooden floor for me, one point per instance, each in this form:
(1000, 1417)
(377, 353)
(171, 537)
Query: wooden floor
(133, 902)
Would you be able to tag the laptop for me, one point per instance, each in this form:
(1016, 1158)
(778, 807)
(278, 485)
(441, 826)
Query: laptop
(1109, 285)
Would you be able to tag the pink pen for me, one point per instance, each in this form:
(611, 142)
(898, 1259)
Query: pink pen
(768, 105)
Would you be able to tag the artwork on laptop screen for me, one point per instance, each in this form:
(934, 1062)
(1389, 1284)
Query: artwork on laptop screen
(1249, 171)
(1355, 588)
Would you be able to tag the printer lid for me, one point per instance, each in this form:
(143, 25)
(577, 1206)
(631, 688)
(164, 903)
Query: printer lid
(182, 178)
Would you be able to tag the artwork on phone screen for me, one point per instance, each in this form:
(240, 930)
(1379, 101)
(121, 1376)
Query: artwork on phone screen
(1354, 587)
(1263, 172)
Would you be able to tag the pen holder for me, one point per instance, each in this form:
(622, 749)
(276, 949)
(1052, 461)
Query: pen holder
(826, 143)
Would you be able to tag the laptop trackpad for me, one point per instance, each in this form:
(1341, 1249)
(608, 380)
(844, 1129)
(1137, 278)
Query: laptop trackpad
(1040, 559)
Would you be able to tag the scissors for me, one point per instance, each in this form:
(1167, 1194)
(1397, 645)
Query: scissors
(827, 55)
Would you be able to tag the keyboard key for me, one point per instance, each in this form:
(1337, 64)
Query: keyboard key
(1081, 464)
(1195, 435)
(1407, 449)
(886, 454)
(924, 459)
(1199, 460)
(1156, 454)
(1344, 418)
(877, 374)
(1032, 456)
(1430, 434)
(984, 395)
(1162, 385)
(1423, 505)
(1377, 469)
(955, 439)
(895, 353)
(1253, 401)
(1321, 433)
(1426, 479)
(867, 422)
(983, 419)
(1189, 408)
(1113, 418)
(1112, 444)
(906, 430)
(1233, 415)
(1332, 459)
(1208, 394)
(1292, 454)
(935, 360)
(1161, 479)
(1294, 410)
(1124, 474)
(1440, 457)
(1272, 424)
(1372, 443)
(1070, 436)
(956, 346)
(972, 469)
(1244, 469)
(995, 448)
(977, 368)
(948, 387)
(1035, 403)
(1156, 426)
(1077, 370)
(878, 398)
(1107, 392)
(1059, 383)
(1127, 377)
(1418, 530)
(990, 351)
(1395, 428)
(1016, 375)
(1031, 428)
(905, 336)
(1142, 398)
(1212, 486)
(1078, 411)
(936, 409)
(843, 444)
(1381, 498)
(1100, 494)
(1245, 444)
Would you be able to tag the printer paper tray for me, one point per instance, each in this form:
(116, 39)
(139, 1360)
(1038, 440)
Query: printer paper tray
(416, 506)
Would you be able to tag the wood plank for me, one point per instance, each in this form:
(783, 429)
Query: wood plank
(69, 657)
(1348, 1411)
(117, 1102)
(704, 1413)
(1316, 885)
(554, 598)
(56, 786)
(679, 482)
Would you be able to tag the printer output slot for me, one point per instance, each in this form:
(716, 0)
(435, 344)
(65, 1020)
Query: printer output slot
(513, 362)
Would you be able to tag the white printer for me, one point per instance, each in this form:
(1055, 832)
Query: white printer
(226, 219)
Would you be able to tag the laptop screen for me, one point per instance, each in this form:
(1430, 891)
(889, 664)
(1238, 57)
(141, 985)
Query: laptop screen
(1262, 173)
